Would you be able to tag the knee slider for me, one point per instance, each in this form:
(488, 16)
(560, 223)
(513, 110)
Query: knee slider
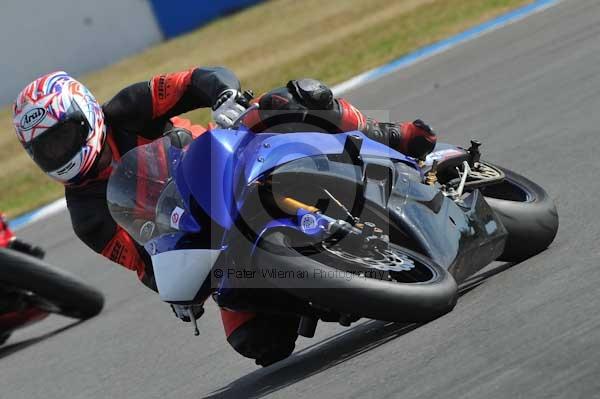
(264, 337)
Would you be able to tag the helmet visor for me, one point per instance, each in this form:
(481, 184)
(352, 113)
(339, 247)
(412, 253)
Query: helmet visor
(56, 146)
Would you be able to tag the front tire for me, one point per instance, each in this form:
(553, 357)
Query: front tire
(67, 293)
(398, 300)
(527, 212)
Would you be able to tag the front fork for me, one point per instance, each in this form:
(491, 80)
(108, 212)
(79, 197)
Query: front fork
(310, 221)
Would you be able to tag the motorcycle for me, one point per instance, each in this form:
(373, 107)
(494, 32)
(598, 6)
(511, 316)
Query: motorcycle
(331, 227)
(30, 289)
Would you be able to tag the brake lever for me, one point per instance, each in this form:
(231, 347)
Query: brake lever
(238, 121)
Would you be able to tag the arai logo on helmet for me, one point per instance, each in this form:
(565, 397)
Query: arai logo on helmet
(32, 118)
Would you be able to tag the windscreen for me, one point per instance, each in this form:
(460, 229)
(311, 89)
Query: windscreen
(141, 194)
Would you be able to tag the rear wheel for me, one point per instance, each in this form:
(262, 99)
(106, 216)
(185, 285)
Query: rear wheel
(527, 212)
(392, 284)
(62, 292)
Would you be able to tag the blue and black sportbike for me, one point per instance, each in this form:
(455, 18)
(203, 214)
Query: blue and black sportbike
(331, 227)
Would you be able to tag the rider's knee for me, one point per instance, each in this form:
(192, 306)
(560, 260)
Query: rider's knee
(265, 338)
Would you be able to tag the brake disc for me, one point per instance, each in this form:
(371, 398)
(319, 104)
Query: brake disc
(385, 259)
(485, 172)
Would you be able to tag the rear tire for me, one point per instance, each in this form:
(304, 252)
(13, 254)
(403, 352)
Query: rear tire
(527, 212)
(71, 296)
(364, 297)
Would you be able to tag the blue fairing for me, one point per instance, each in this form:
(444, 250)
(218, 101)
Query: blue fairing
(207, 170)
(271, 150)
(220, 163)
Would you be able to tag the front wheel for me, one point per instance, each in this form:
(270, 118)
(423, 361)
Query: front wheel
(527, 212)
(64, 293)
(393, 284)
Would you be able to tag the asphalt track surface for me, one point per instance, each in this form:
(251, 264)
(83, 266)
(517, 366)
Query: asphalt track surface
(531, 93)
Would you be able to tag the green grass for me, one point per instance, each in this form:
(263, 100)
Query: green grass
(266, 46)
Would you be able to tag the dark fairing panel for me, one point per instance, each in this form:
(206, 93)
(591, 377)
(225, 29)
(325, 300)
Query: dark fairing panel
(461, 238)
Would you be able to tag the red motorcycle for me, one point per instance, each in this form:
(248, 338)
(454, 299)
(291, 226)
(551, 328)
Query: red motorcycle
(30, 289)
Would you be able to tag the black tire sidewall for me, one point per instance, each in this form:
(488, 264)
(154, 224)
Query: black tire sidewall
(531, 225)
(73, 297)
(366, 297)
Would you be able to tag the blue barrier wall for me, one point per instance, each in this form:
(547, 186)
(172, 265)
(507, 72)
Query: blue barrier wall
(179, 16)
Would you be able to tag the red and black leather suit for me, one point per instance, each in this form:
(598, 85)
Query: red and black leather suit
(144, 111)
(307, 105)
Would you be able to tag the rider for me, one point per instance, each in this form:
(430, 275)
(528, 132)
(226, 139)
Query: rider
(75, 141)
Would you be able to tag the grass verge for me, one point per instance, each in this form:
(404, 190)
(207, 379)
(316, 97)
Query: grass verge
(266, 46)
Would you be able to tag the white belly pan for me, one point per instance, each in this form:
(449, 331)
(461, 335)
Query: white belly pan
(179, 274)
